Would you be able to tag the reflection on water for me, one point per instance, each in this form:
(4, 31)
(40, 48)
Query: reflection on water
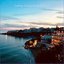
(12, 50)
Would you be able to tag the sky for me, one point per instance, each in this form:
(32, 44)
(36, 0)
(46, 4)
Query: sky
(24, 14)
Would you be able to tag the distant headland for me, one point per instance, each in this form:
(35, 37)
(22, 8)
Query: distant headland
(34, 31)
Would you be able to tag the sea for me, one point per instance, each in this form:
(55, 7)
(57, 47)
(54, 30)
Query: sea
(12, 50)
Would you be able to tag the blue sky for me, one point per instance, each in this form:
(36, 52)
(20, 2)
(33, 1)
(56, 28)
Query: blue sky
(24, 13)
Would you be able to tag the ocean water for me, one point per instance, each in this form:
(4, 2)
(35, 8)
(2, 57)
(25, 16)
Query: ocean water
(12, 51)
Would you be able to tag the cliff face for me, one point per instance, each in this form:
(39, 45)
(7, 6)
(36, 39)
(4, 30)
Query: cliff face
(45, 52)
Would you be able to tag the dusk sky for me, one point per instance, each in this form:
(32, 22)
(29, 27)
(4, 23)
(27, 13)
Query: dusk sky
(21, 14)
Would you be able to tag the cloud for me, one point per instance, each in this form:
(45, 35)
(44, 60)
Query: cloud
(41, 23)
(8, 18)
(50, 9)
(48, 19)
(15, 25)
(60, 16)
(39, 6)
(12, 26)
(61, 12)
(38, 24)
